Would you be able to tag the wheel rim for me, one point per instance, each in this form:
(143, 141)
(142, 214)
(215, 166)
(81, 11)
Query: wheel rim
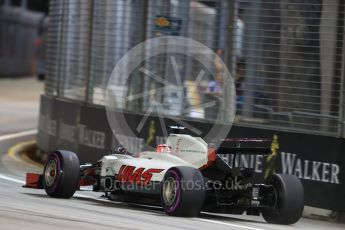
(50, 173)
(169, 191)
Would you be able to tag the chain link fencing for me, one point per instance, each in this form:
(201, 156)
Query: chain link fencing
(286, 58)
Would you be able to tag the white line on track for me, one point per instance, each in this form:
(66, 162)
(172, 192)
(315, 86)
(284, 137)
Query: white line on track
(11, 179)
(19, 134)
(228, 224)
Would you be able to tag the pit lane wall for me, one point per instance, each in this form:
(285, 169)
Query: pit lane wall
(318, 160)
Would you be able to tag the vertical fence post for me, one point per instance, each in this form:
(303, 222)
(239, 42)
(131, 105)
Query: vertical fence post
(137, 78)
(58, 75)
(328, 53)
(89, 77)
(229, 57)
(342, 93)
(251, 54)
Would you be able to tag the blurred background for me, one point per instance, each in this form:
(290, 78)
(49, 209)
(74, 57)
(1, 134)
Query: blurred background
(22, 40)
(23, 27)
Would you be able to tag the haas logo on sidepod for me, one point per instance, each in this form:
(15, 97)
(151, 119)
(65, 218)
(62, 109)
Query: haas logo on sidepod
(130, 174)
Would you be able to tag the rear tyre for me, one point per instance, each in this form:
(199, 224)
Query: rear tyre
(183, 191)
(288, 199)
(61, 174)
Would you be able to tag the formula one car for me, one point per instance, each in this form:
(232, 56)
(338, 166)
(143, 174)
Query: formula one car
(184, 175)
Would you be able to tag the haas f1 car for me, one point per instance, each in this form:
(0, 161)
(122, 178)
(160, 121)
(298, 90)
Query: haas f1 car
(185, 176)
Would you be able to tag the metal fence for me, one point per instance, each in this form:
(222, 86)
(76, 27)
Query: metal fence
(285, 56)
(293, 57)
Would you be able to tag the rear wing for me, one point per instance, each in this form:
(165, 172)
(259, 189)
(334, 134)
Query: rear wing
(254, 146)
(249, 146)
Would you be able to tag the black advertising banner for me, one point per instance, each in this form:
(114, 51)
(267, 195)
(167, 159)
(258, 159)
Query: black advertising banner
(318, 161)
(94, 134)
(67, 115)
(46, 125)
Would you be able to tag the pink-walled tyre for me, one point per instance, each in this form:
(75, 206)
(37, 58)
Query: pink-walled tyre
(183, 191)
(61, 174)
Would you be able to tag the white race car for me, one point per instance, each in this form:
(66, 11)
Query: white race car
(185, 176)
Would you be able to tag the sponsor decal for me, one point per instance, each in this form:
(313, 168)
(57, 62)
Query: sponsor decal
(178, 145)
(47, 125)
(291, 164)
(91, 138)
(271, 158)
(151, 134)
(245, 160)
(192, 151)
(310, 170)
(67, 132)
(139, 176)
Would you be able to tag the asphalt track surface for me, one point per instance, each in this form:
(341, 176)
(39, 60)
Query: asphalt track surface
(30, 209)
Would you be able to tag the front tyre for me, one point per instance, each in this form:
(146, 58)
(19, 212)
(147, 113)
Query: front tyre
(183, 192)
(288, 202)
(61, 174)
